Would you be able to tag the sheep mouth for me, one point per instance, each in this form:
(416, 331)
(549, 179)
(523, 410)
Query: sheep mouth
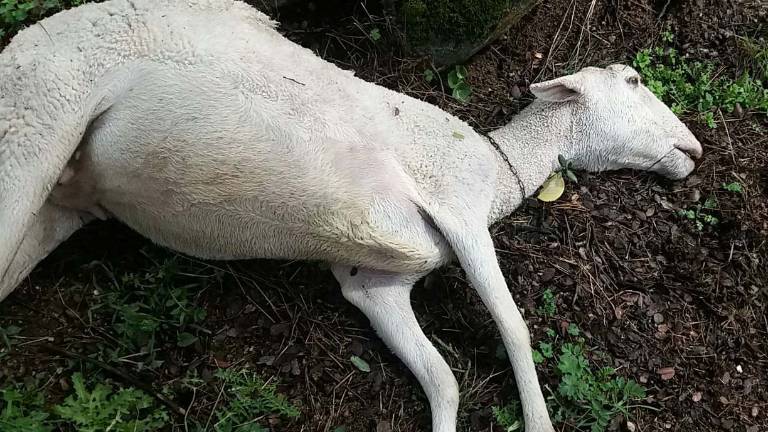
(687, 153)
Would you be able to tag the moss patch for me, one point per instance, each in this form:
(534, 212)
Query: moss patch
(450, 29)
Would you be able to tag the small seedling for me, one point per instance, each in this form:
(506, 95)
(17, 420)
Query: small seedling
(699, 213)
(566, 168)
(546, 350)
(429, 76)
(734, 187)
(375, 34)
(549, 306)
(509, 417)
(573, 329)
(457, 82)
(6, 333)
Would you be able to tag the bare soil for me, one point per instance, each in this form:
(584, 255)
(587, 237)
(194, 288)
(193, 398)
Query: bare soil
(645, 286)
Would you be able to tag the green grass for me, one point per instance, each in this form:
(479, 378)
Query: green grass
(702, 88)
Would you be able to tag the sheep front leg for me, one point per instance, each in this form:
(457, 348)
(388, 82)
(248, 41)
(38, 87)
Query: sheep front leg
(385, 299)
(474, 249)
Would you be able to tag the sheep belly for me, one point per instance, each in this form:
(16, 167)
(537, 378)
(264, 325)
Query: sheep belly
(194, 164)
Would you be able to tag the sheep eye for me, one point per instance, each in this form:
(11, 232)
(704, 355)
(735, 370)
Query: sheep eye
(634, 80)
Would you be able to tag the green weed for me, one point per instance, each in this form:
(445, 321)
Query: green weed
(249, 397)
(458, 84)
(6, 336)
(22, 411)
(148, 307)
(375, 34)
(698, 87)
(509, 417)
(429, 76)
(86, 410)
(549, 304)
(701, 214)
(586, 396)
(99, 409)
(734, 187)
(566, 168)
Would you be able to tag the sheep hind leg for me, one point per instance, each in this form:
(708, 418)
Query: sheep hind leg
(49, 228)
(385, 299)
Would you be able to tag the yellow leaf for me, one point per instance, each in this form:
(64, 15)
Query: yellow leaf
(458, 135)
(553, 188)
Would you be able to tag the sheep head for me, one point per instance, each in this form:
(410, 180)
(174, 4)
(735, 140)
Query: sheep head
(618, 123)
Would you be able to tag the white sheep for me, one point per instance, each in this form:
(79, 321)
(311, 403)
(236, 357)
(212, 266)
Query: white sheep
(197, 124)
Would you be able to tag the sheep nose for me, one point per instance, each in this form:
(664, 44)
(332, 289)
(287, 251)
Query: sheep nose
(691, 147)
(689, 144)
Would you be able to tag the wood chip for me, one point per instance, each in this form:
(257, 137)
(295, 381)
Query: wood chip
(666, 373)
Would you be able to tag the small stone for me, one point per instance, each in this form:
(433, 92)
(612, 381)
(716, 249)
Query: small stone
(755, 411)
(548, 274)
(658, 318)
(281, 328)
(696, 396)
(631, 427)
(267, 360)
(383, 426)
(739, 369)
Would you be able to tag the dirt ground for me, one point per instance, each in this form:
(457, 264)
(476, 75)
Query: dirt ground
(645, 286)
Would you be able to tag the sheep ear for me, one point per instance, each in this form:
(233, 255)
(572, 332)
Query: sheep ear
(558, 90)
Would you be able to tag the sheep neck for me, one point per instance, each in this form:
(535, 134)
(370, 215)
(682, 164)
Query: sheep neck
(531, 141)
